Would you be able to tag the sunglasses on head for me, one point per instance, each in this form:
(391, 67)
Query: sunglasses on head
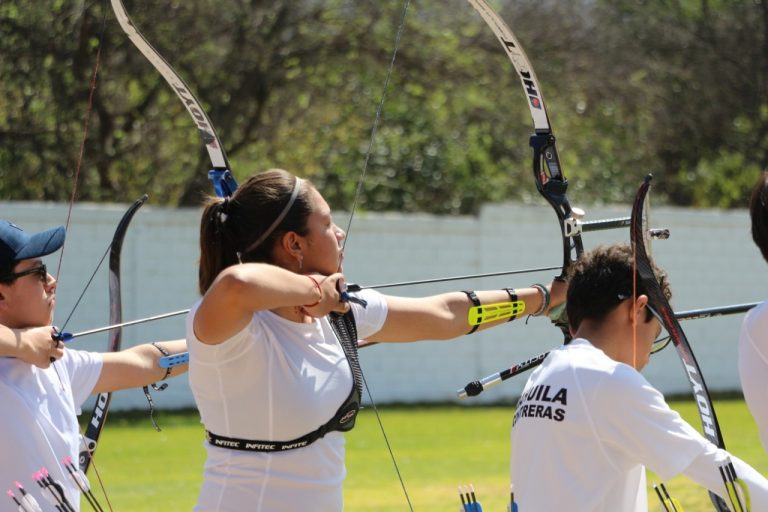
(41, 271)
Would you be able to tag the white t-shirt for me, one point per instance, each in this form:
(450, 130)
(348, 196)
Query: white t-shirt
(38, 426)
(584, 429)
(753, 366)
(276, 380)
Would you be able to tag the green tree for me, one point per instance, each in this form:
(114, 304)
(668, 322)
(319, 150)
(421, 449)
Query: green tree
(676, 87)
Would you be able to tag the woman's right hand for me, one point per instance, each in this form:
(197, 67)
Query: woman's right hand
(330, 300)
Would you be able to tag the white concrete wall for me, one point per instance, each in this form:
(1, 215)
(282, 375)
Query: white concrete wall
(710, 259)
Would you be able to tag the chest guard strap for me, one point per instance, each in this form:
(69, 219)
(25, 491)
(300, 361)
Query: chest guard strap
(344, 420)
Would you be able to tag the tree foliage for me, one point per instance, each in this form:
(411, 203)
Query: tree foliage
(675, 87)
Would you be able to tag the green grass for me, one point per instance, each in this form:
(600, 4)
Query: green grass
(437, 449)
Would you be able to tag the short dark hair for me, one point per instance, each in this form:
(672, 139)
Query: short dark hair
(600, 278)
(758, 211)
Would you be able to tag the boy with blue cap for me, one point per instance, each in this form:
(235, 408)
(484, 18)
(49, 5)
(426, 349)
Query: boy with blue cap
(42, 383)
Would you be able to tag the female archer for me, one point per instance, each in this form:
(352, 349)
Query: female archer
(273, 344)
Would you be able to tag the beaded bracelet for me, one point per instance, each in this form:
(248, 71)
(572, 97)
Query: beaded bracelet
(544, 298)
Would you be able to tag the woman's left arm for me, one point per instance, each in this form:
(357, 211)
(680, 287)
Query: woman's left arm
(446, 316)
(138, 366)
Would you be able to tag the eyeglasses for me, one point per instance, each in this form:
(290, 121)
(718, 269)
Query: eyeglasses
(662, 341)
(41, 272)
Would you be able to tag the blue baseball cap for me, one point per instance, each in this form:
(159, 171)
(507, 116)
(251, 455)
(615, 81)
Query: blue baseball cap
(16, 245)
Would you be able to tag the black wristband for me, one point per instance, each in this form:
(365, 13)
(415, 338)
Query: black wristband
(473, 297)
(166, 354)
(512, 298)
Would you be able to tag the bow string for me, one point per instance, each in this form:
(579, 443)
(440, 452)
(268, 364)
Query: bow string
(89, 439)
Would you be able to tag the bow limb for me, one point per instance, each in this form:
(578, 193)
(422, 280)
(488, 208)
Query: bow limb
(547, 172)
(221, 176)
(639, 233)
(100, 409)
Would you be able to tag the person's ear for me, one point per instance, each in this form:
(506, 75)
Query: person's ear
(641, 305)
(292, 243)
(291, 251)
(636, 307)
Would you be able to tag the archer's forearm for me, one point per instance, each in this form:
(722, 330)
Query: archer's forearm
(447, 316)
(33, 345)
(138, 366)
(10, 342)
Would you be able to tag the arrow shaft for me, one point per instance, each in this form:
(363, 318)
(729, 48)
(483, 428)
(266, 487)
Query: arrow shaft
(68, 337)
